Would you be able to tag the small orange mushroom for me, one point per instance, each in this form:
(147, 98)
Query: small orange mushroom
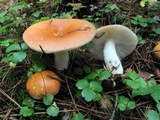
(42, 83)
(156, 51)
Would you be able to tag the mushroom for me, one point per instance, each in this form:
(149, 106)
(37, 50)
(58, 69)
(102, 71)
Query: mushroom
(42, 83)
(58, 36)
(112, 43)
(156, 51)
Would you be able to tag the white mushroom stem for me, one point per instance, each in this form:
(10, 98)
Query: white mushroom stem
(112, 60)
(61, 60)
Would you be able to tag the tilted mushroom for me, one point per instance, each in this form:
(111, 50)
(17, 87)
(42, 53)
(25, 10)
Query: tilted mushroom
(58, 36)
(112, 43)
(42, 83)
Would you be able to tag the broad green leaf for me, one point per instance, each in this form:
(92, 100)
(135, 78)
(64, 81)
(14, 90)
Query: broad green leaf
(122, 99)
(24, 46)
(13, 47)
(144, 91)
(28, 102)
(157, 31)
(77, 116)
(143, 24)
(141, 82)
(98, 97)
(26, 111)
(155, 95)
(82, 84)
(88, 94)
(52, 111)
(39, 66)
(133, 84)
(131, 105)
(121, 106)
(104, 75)
(133, 75)
(91, 76)
(96, 86)
(48, 99)
(6, 43)
(153, 115)
(18, 56)
(158, 106)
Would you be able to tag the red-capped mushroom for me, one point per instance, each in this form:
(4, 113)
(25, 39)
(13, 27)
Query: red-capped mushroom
(58, 36)
(42, 83)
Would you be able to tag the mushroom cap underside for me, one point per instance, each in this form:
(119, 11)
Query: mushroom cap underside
(125, 40)
(57, 35)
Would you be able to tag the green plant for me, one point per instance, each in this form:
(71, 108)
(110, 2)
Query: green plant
(143, 2)
(77, 116)
(124, 103)
(16, 52)
(141, 40)
(143, 22)
(142, 87)
(90, 86)
(11, 17)
(82, 70)
(153, 114)
(29, 106)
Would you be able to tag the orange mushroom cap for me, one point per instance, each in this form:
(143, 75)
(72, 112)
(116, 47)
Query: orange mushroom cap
(156, 51)
(59, 35)
(42, 83)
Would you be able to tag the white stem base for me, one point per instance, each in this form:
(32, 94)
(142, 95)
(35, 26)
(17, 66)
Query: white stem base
(112, 61)
(61, 60)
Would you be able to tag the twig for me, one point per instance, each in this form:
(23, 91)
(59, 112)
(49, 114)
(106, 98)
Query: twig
(71, 95)
(1, 91)
(115, 107)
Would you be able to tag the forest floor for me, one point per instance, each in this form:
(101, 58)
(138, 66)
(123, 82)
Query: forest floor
(17, 16)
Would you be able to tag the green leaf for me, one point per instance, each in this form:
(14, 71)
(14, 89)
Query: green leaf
(157, 31)
(48, 99)
(82, 84)
(98, 97)
(155, 95)
(141, 82)
(77, 116)
(91, 76)
(26, 111)
(78, 71)
(122, 99)
(52, 111)
(96, 86)
(104, 75)
(88, 94)
(87, 69)
(158, 106)
(18, 56)
(144, 91)
(6, 43)
(39, 66)
(24, 46)
(153, 115)
(122, 107)
(133, 84)
(28, 102)
(133, 75)
(13, 47)
(131, 105)
(143, 24)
